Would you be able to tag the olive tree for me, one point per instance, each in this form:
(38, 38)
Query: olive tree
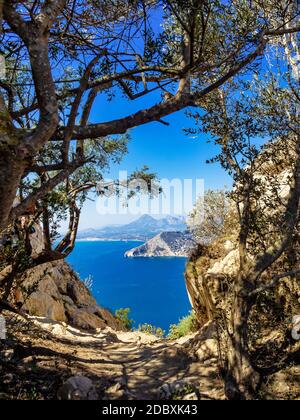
(258, 133)
(213, 217)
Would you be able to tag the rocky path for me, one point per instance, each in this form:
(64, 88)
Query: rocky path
(120, 365)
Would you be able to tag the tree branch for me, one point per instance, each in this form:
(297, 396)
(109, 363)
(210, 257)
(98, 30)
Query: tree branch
(49, 12)
(75, 107)
(157, 112)
(44, 190)
(273, 283)
(283, 31)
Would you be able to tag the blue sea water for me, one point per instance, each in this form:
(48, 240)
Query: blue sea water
(153, 288)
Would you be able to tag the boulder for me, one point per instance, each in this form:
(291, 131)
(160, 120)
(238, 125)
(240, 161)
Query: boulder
(48, 286)
(80, 318)
(227, 266)
(42, 304)
(79, 293)
(78, 388)
(178, 390)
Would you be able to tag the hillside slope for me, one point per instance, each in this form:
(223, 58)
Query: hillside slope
(143, 229)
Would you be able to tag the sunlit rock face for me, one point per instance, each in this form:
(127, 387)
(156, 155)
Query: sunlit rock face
(166, 244)
(207, 274)
(54, 291)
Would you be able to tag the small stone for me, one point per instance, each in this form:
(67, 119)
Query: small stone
(6, 355)
(191, 397)
(8, 378)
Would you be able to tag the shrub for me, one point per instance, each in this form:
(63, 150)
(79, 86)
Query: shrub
(122, 315)
(186, 325)
(150, 329)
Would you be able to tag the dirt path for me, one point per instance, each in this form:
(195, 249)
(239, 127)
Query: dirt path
(121, 365)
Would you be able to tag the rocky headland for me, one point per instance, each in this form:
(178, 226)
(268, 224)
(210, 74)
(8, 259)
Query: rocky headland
(166, 244)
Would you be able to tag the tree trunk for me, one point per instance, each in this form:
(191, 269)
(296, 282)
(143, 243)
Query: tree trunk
(11, 171)
(242, 379)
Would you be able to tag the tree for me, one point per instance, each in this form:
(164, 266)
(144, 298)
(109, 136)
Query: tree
(111, 45)
(20, 252)
(212, 217)
(66, 200)
(122, 315)
(258, 133)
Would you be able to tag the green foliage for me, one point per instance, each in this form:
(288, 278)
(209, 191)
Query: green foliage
(122, 315)
(180, 394)
(14, 254)
(186, 325)
(212, 217)
(100, 153)
(150, 329)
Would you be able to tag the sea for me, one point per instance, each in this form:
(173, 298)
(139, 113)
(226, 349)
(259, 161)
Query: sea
(153, 288)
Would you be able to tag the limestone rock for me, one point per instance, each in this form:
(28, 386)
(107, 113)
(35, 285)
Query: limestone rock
(42, 304)
(227, 266)
(48, 286)
(118, 391)
(81, 318)
(166, 244)
(80, 294)
(54, 291)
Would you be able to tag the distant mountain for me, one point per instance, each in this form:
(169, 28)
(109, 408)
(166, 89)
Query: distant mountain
(142, 229)
(166, 244)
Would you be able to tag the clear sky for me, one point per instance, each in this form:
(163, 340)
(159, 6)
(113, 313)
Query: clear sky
(167, 150)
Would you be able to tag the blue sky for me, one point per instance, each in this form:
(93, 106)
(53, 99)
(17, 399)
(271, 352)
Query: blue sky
(167, 150)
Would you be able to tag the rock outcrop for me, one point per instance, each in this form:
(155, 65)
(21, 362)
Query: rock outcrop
(78, 388)
(54, 291)
(166, 244)
(207, 274)
(213, 267)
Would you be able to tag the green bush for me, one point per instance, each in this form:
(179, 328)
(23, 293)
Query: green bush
(186, 325)
(122, 315)
(150, 329)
